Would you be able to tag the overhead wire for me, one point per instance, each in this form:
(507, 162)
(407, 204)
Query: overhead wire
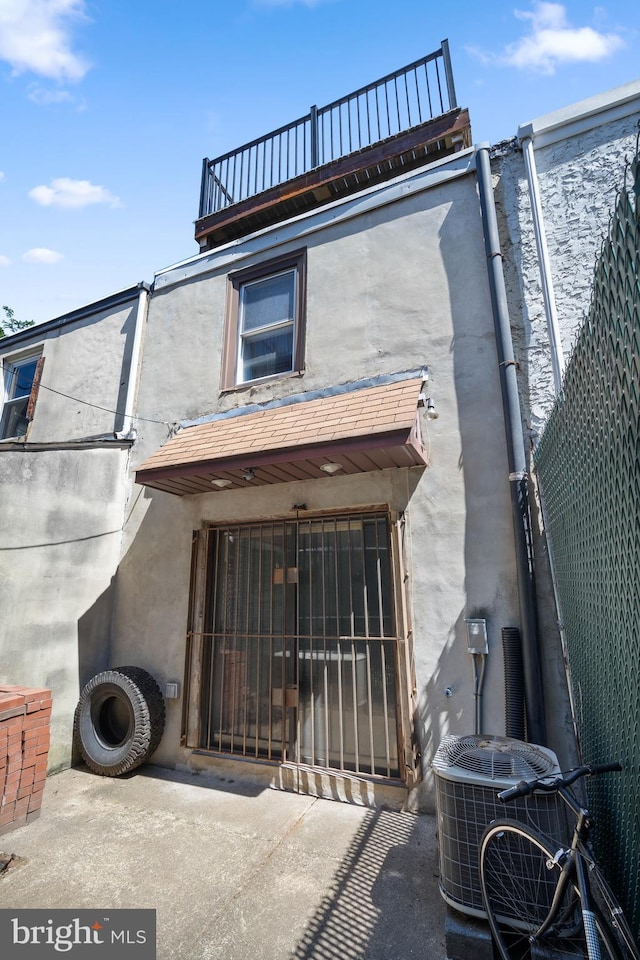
(96, 406)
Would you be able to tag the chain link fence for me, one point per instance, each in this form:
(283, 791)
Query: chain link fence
(588, 463)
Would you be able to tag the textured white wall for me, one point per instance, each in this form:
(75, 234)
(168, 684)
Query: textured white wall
(392, 287)
(61, 521)
(86, 363)
(62, 512)
(580, 155)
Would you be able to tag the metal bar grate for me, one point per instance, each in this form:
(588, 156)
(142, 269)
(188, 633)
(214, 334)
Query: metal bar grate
(299, 661)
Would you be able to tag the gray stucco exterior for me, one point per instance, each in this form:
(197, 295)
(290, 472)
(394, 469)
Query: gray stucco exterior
(581, 153)
(63, 495)
(97, 569)
(395, 277)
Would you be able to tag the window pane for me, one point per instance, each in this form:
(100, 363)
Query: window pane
(18, 385)
(14, 418)
(23, 379)
(268, 301)
(266, 354)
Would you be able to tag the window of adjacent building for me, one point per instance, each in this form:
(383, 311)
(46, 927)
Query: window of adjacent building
(265, 324)
(20, 383)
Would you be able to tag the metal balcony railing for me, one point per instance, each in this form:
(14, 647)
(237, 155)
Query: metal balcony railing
(389, 106)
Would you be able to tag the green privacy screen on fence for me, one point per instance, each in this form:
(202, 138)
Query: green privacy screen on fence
(588, 464)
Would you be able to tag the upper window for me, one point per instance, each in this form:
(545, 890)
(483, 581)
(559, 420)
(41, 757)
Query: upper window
(21, 379)
(265, 323)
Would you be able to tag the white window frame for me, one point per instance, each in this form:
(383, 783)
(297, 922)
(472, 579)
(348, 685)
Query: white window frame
(236, 337)
(12, 367)
(246, 336)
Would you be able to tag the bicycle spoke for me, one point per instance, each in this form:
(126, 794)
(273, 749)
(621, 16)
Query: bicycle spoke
(519, 875)
(533, 894)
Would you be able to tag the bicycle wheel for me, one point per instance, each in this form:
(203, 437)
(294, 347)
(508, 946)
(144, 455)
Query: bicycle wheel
(518, 876)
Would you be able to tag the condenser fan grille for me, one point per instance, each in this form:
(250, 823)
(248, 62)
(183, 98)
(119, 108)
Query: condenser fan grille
(499, 758)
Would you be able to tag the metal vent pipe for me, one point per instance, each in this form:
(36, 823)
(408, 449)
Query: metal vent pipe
(517, 461)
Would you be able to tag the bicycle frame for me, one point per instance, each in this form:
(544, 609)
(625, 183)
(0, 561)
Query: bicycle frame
(573, 871)
(578, 871)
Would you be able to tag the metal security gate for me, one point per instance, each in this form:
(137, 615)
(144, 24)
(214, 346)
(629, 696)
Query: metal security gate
(298, 655)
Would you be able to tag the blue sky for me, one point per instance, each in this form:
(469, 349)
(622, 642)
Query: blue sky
(107, 107)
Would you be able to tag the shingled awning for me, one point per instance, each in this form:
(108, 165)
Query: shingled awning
(360, 429)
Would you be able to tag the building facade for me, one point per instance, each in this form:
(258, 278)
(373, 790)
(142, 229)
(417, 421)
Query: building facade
(282, 480)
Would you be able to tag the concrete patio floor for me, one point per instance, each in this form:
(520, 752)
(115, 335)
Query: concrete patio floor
(233, 870)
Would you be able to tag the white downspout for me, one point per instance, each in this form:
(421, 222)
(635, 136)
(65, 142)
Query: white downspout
(525, 135)
(128, 432)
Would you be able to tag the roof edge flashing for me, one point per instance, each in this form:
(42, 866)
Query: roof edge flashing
(294, 228)
(322, 392)
(585, 115)
(39, 330)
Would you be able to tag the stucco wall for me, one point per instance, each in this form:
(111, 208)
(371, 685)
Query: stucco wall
(62, 510)
(399, 281)
(86, 365)
(61, 519)
(580, 156)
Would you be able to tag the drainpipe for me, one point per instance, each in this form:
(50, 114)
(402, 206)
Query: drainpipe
(553, 328)
(518, 477)
(128, 432)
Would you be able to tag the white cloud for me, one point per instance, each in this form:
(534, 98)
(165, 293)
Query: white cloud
(551, 42)
(72, 194)
(35, 36)
(1, 176)
(41, 255)
(44, 97)
(4, 261)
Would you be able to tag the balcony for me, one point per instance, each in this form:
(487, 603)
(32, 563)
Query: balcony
(393, 125)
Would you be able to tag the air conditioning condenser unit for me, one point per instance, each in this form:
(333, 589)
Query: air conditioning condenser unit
(469, 772)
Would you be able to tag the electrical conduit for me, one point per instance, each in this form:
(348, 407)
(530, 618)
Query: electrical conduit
(517, 464)
(553, 328)
(128, 431)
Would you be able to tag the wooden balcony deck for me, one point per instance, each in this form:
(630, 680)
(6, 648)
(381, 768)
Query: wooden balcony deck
(395, 124)
(401, 153)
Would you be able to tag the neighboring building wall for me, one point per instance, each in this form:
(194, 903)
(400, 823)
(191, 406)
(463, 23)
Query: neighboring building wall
(396, 277)
(63, 493)
(580, 153)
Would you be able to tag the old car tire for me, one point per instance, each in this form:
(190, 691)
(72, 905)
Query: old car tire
(119, 720)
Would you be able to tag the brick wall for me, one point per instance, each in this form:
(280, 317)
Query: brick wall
(25, 716)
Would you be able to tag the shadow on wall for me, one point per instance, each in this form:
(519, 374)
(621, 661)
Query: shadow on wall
(479, 578)
(94, 626)
(490, 558)
(384, 899)
(128, 329)
(490, 578)
(446, 704)
(94, 648)
(94, 632)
